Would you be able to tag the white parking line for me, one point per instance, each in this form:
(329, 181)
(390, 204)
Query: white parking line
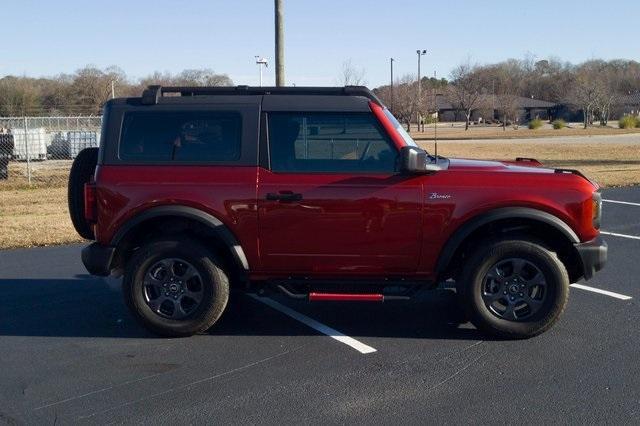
(310, 322)
(613, 234)
(600, 291)
(621, 202)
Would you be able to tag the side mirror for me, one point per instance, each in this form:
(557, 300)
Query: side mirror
(413, 160)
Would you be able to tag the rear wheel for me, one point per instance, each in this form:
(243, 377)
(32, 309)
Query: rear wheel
(175, 287)
(514, 288)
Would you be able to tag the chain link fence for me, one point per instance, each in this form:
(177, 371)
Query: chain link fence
(38, 151)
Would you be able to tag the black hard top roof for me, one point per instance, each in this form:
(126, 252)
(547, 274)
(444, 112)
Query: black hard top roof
(152, 94)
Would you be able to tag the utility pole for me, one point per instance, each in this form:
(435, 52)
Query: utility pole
(279, 27)
(113, 89)
(392, 103)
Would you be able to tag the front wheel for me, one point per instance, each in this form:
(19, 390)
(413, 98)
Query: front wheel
(175, 287)
(514, 288)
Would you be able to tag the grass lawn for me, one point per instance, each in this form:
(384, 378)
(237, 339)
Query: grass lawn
(609, 164)
(35, 217)
(457, 132)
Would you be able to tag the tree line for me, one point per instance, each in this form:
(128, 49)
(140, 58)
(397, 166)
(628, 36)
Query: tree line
(85, 91)
(593, 88)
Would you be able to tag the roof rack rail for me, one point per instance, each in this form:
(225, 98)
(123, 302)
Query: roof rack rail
(152, 94)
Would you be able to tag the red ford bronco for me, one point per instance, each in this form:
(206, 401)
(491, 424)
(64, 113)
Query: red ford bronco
(319, 193)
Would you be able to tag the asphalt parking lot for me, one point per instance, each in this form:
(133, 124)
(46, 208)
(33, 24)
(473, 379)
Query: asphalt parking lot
(71, 353)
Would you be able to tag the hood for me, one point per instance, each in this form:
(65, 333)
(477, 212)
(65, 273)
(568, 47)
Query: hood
(525, 165)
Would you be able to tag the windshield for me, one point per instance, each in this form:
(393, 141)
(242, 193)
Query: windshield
(403, 133)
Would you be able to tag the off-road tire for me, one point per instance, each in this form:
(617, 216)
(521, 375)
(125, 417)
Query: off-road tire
(470, 288)
(214, 280)
(82, 171)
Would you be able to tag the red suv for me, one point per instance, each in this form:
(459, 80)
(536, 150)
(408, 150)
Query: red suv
(319, 193)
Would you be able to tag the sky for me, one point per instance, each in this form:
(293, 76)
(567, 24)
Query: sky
(45, 38)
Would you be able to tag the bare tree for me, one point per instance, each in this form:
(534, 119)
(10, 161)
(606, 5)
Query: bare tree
(190, 77)
(18, 96)
(609, 92)
(465, 90)
(507, 106)
(604, 104)
(350, 75)
(203, 77)
(504, 79)
(91, 87)
(585, 94)
(406, 100)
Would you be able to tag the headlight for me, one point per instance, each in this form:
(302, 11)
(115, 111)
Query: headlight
(596, 211)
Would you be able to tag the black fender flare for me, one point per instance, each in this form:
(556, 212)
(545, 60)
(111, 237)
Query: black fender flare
(473, 224)
(221, 230)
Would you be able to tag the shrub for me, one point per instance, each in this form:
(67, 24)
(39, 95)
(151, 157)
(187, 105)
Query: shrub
(629, 122)
(429, 119)
(535, 124)
(559, 124)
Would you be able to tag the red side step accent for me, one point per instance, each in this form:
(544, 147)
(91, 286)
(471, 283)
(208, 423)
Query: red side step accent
(344, 297)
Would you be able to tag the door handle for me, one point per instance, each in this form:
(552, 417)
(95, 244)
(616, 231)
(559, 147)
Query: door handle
(284, 196)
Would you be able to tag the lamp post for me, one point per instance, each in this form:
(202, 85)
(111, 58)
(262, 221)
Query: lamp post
(420, 54)
(391, 85)
(261, 62)
(435, 126)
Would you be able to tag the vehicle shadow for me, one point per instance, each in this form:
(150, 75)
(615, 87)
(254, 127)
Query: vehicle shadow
(93, 307)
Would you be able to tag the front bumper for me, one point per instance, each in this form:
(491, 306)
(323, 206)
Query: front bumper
(97, 258)
(593, 254)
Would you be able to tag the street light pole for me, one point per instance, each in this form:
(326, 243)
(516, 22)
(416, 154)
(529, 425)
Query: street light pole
(279, 29)
(435, 127)
(420, 53)
(391, 85)
(261, 62)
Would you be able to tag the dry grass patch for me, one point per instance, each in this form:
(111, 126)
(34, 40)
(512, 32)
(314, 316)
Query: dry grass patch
(44, 174)
(491, 132)
(609, 164)
(35, 217)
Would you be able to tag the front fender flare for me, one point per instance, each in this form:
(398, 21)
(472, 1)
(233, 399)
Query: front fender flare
(473, 224)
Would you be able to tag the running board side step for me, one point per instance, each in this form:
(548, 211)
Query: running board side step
(341, 297)
(345, 297)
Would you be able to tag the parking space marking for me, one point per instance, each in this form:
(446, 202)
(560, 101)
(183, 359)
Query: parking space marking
(613, 234)
(628, 203)
(318, 326)
(600, 291)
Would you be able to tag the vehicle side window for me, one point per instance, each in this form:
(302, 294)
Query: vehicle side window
(326, 142)
(190, 136)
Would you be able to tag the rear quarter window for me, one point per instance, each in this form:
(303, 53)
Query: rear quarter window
(183, 137)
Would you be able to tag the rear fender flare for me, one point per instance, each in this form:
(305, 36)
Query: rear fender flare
(221, 230)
